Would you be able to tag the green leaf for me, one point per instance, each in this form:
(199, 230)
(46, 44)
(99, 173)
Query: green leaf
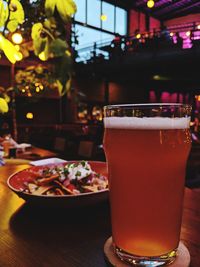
(58, 47)
(50, 7)
(36, 30)
(9, 49)
(66, 8)
(3, 105)
(39, 43)
(3, 13)
(12, 25)
(16, 11)
(59, 87)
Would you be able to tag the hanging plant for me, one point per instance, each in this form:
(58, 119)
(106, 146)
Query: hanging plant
(37, 80)
(43, 26)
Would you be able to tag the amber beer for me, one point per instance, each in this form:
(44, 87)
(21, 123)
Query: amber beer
(146, 165)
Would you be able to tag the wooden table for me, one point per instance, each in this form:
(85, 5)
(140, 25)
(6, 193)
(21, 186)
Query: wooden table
(31, 154)
(33, 237)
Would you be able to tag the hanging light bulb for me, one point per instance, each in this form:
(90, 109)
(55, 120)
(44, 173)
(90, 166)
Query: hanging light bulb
(17, 38)
(103, 17)
(18, 56)
(29, 115)
(150, 3)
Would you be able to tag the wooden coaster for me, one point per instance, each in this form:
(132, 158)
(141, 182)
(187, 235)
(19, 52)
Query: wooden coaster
(182, 259)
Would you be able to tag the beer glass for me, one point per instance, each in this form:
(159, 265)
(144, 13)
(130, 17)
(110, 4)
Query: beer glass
(146, 147)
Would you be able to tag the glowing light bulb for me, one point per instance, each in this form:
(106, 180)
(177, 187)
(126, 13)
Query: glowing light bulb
(171, 34)
(29, 115)
(17, 47)
(150, 3)
(198, 27)
(18, 56)
(138, 36)
(17, 38)
(104, 17)
(188, 33)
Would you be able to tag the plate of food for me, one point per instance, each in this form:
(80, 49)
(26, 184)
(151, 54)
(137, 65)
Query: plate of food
(68, 184)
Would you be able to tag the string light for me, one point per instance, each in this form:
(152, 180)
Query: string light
(150, 3)
(17, 38)
(29, 115)
(188, 33)
(18, 56)
(138, 36)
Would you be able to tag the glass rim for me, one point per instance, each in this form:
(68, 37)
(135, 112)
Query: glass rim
(148, 105)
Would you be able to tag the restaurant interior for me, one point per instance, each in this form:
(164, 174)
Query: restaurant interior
(61, 62)
(109, 52)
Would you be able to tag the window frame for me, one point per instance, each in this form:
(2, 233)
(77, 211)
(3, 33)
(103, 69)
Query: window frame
(101, 24)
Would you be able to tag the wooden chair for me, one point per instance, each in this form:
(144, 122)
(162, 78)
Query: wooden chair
(85, 149)
(60, 144)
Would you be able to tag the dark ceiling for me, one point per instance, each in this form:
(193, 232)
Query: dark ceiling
(163, 9)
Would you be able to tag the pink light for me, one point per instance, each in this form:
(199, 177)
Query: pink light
(165, 97)
(152, 96)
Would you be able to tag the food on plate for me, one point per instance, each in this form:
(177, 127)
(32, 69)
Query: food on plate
(70, 179)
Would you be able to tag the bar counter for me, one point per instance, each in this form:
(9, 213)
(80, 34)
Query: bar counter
(31, 236)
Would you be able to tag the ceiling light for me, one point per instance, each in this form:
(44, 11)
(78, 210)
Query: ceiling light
(103, 17)
(150, 3)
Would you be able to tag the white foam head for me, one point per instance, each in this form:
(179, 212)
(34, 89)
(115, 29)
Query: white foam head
(146, 123)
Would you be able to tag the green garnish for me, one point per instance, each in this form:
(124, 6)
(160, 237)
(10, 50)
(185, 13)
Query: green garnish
(78, 173)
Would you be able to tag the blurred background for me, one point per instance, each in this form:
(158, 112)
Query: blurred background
(68, 63)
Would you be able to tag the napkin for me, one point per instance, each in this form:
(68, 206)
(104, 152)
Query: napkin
(47, 161)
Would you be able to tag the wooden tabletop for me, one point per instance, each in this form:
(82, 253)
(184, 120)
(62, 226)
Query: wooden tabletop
(36, 153)
(31, 236)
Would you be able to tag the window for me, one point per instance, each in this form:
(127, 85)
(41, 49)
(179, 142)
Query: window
(89, 28)
(115, 20)
(94, 13)
(109, 11)
(87, 38)
(121, 21)
(81, 11)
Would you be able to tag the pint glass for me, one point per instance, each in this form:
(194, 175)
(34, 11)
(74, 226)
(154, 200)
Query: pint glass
(146, 147)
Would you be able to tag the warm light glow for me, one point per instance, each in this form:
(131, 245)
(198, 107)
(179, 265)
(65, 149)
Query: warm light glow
(42, 56)
(197, 97)
(41, 87)
(171, 34)
(156, 77)
(68, 53)
(23, 91)
(138, 36)
(198, 27)
(29, 115)
(188, 33)
(17, 47)
(37, 89)
(1, 38)
(18, 56)
(150, 3)
(17, 38)
(103, 17)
